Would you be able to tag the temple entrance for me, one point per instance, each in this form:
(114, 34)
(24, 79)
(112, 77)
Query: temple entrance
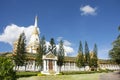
(50, 65)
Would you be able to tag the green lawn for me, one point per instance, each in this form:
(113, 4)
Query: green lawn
(94, 76)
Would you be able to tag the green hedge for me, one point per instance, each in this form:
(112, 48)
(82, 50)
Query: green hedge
(106, 70)
(84, 72)
(76, 72)
(26, 74)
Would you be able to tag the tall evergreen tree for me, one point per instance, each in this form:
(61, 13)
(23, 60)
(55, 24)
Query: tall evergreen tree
(95, 52)
(19, 57)
(43, 45)
(87, 55)
(60, 55)
(80, 56)
(41, 52)
(94, 58)
(114, 53)
(52, 47)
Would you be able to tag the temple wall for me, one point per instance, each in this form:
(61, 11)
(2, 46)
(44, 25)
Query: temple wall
(110, 66)
(68, 66)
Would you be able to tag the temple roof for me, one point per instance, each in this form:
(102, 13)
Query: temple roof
(35, 31)
(66, 59)
(69, 59)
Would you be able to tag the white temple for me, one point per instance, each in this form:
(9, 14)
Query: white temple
(34, 42)
(50, 60)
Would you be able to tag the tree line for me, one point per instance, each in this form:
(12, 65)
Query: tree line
(84, 57)
(114, 53)
(87, 58)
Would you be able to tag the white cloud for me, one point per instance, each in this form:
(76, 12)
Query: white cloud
(12, 32)
(68, 50)
(59, 38)
(66, 43)
(67, 46)
(88, 10)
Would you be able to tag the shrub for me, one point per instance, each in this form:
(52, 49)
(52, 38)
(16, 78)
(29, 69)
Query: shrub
(26, 74)
(105, 70)
(85, 72)
(39, 74)
(77, 72)
(6, 69)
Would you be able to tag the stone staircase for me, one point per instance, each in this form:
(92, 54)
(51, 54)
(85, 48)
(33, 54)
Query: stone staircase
(52, 72)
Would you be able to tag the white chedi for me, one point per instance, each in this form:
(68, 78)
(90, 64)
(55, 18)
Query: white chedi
(34, 40)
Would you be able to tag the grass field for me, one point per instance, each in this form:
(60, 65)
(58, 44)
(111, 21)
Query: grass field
(94, 76)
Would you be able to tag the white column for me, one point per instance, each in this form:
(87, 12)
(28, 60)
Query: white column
(44, 63)
(47, 65)
(55, 65)
(69, 65)
(74, 66)
(33, 65)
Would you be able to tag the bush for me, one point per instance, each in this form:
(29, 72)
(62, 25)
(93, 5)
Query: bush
(84, 72)
(77, 72)
(39, 74)
(105, 70)
(6, 69)
(26, 74)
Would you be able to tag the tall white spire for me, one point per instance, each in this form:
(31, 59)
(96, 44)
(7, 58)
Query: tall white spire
(35, 31)
(36, 20)
(34, 39)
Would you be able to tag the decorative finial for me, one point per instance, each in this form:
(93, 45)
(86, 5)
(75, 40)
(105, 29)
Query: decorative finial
(36, 19)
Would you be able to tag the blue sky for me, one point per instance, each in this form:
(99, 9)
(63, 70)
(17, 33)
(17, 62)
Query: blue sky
(94, 21)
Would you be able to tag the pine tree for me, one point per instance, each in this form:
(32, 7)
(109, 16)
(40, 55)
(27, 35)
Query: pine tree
(94, 58)
(41, 51)
(87, 55)
(60, 55)
(114, 53)
(80, 56)
(52, 47)
(95, 55)
(43, 45)
(19, 57)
